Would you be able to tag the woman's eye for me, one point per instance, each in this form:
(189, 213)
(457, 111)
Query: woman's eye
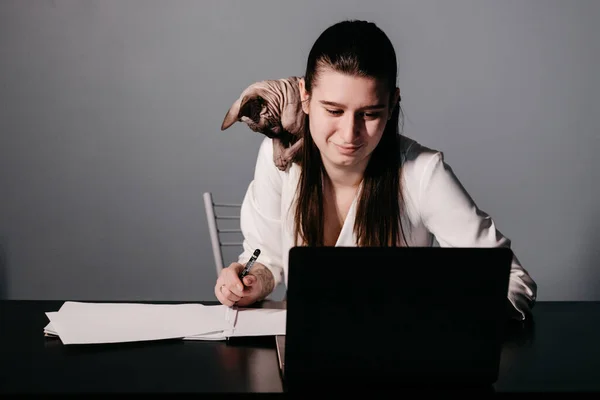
(361, 115)
(372, 115)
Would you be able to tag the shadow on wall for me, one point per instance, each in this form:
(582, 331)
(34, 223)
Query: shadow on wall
(3, 269)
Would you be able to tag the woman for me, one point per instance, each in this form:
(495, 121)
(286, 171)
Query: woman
(358, 180)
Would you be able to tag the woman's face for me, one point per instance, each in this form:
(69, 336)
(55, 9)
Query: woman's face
(347, 116)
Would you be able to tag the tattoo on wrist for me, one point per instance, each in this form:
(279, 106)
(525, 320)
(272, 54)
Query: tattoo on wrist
(266, 278)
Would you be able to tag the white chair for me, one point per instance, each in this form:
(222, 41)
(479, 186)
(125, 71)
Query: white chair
(214, 227)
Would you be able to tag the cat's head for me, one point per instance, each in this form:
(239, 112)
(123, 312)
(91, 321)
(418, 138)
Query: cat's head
(253, 108)
(268, 107)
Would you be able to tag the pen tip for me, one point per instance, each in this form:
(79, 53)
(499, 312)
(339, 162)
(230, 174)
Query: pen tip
(256, 252)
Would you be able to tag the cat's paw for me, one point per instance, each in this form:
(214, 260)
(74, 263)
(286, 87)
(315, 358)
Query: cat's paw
(281, 162)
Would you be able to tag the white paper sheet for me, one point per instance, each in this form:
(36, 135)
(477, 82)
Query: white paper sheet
(221, 335)
(49, 329)
(88, 323)
(251, 322)
(260, 322)
(218, 335)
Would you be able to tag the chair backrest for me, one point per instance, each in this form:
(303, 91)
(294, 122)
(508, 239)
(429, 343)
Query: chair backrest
(216, 219)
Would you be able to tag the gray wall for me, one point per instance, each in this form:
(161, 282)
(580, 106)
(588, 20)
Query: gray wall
(110, 113)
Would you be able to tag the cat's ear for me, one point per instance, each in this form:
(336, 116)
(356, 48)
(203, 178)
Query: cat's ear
(232, 115)
(248, 105)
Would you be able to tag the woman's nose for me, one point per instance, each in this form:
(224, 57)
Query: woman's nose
(350, 129)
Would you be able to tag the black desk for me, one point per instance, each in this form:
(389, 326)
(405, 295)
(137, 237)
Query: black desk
(559, 352)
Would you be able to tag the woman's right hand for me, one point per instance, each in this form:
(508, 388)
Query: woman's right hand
(230, 289)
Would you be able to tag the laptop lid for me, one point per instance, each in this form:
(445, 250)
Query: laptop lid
(395, 316)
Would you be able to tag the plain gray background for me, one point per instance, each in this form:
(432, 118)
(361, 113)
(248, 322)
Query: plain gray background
(110, 114)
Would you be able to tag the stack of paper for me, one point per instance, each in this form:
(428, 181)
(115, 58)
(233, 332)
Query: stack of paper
(88, 323)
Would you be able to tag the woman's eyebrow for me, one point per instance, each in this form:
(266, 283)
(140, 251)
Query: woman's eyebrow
(338, 105)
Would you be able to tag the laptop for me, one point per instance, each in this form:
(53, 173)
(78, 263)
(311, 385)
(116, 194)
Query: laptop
(389, 318)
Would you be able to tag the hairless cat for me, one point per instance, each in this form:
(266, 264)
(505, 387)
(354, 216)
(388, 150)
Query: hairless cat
(273, 108)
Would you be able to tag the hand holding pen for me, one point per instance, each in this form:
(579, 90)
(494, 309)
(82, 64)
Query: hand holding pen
(236, 285)
(250, 263)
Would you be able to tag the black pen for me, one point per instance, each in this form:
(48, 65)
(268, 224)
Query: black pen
(250, 263)
(245, 272)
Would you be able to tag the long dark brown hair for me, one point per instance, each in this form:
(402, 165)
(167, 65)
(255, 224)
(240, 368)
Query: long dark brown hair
(355, 48)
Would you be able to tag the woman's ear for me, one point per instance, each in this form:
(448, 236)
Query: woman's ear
(304, 97)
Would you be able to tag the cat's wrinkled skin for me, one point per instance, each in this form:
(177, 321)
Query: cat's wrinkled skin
(273, 108)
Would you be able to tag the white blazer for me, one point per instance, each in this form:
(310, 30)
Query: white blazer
(436, 207)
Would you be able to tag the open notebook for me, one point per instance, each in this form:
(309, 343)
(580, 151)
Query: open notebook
(93, 323)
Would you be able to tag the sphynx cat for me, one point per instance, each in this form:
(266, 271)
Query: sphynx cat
(272, 107)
